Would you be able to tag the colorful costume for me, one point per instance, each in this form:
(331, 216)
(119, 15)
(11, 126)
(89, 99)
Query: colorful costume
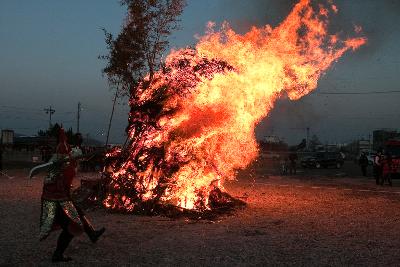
(58, 209)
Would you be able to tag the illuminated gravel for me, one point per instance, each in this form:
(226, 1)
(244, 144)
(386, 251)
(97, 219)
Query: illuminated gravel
(288, 221)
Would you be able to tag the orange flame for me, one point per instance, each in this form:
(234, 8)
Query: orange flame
(214, 126)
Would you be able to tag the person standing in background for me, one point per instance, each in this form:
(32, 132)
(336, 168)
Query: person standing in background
(1, 156)
(363, 162)
(293, 162)
(378, 166)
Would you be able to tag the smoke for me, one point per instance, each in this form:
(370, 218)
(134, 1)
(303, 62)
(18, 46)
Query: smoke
(290, 119)
(257, 12)
(379, 21)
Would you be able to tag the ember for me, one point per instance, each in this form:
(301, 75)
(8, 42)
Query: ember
(192, 126)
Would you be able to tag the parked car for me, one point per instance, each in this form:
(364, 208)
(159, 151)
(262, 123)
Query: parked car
(323, 160)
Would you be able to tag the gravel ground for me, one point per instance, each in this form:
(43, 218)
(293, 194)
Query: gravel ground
(289, 221)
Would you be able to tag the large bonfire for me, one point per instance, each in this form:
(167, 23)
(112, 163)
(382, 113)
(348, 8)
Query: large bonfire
(192, 127)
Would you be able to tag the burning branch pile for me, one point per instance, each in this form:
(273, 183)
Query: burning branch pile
(191, 124)
(146, 172)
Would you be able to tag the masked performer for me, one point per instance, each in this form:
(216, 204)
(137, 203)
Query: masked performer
(58, 209)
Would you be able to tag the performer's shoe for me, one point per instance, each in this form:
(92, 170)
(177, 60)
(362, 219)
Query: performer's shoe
(94, 236)
(57, 257)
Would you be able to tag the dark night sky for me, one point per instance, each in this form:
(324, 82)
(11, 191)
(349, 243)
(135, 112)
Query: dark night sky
(49, 52)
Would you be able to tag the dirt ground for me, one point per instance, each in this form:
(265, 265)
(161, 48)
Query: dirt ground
(302, 220)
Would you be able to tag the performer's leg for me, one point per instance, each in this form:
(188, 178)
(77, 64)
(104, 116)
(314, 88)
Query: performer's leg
(64, 238)
(90, 231)
(88, 227)
(62, 243)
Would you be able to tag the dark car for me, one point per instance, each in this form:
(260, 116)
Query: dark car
(323, 159)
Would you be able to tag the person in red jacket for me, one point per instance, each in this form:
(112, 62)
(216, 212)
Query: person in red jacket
(58, 209)
(378, 166)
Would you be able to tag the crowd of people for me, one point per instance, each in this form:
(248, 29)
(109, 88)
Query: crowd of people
(289, 164)
(382, 166)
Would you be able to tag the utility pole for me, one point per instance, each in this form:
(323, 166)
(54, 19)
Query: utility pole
(78, 117)
(49, 111)
(112, 114)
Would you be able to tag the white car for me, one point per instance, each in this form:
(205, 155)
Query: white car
(370, 157)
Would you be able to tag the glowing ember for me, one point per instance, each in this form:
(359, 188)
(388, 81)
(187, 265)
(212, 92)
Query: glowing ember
(193, 125)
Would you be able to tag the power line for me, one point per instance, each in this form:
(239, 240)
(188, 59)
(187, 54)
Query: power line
(8, 108)
(358, 93)
(15, 107)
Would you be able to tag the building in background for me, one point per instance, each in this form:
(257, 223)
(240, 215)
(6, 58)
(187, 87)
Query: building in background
(364, 145)
(380, 137)
(356, 147)
(7, 137)
(273, 143)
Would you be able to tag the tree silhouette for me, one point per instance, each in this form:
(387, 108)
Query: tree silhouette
(138, 48)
